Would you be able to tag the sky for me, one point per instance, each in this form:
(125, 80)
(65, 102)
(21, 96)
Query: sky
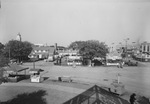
(65, 21)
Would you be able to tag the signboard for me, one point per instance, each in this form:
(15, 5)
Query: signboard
(112, 64)
(74, 57)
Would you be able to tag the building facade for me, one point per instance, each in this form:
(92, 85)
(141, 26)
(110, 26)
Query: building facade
(145, 47)
(68, 52)
(144, 52)
(42, 52)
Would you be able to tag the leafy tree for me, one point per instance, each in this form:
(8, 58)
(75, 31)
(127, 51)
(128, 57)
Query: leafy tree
(77, 45)
(90, 49)
(18, 50)
(1, 47)
(3, 60)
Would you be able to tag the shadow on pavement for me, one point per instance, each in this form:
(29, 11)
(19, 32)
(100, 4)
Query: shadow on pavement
(28, 98)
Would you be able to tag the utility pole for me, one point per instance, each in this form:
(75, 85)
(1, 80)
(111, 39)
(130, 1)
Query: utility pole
(112, 47)
(120, 47)
(34, 58)
(126, 47)
(33, 64)
(9, 53)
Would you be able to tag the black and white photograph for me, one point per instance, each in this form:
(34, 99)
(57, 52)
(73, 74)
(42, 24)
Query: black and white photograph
(74, 51)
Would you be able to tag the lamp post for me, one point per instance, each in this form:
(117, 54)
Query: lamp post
(120, 47)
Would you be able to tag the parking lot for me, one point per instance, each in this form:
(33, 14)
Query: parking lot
(135, 79)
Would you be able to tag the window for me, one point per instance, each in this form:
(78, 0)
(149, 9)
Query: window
(144, 48)
(148, 48)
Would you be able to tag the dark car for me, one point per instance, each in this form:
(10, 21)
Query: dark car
(13, 61)
(131, 63)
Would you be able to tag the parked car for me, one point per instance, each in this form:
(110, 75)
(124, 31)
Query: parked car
(13, 61)
(131, 63)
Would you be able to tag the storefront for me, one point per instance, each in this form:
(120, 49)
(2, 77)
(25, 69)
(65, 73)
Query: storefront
(35, 75)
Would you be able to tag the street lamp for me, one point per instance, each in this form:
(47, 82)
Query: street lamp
(120, 46)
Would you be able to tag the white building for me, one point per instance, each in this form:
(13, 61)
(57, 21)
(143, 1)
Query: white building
(18, 37)
(145, 47)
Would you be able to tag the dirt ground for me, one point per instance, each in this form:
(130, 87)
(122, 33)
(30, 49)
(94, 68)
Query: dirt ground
(135, 79)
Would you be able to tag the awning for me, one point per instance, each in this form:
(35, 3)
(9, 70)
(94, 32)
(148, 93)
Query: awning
(15, 68)
(32, 71)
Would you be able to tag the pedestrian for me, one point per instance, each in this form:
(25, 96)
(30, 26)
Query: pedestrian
(121, 64)
(132, 98)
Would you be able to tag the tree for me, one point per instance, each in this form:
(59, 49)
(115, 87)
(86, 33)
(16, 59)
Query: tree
(90, 49)
(1, 47)
(77, 45)
(18, 50)
(3, 60)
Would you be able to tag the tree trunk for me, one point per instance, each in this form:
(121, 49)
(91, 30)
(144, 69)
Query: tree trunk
(89, 63)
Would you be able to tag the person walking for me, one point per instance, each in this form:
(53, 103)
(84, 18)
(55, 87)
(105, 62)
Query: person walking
(132, 98)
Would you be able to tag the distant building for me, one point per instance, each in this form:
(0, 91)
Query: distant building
(113, 58)
(143, 53)
(145, 47)
(69, 57)
(68, 52)
(42, 52)
(18, 37)
(60, 48)
(39, 45)
(114, 55)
